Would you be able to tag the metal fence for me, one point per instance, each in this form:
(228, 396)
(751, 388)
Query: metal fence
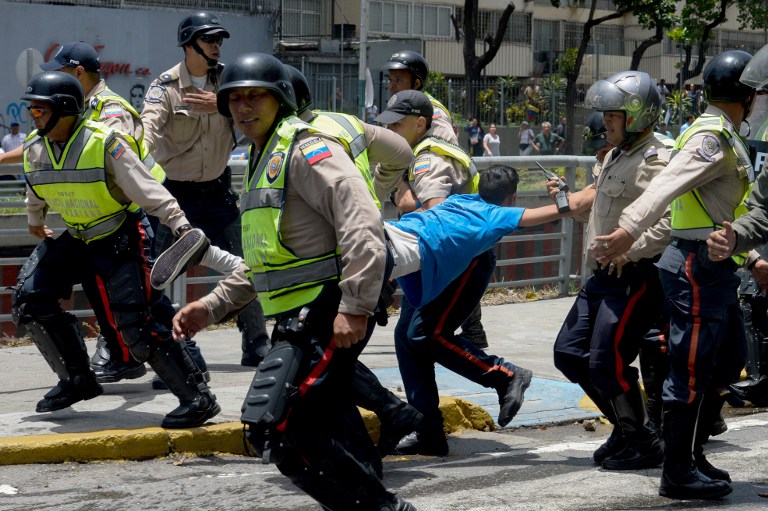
(561, 256)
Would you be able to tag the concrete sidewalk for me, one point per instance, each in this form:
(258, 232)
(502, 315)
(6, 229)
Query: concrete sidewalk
(124, 421)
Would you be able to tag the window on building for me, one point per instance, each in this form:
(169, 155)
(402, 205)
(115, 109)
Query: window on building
(518, 27)
(408, 19)
(749, 42)
(546, 35)
(302, 18)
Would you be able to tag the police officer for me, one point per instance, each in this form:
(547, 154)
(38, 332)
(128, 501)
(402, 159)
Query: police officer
(601, 335)
(392, 154)
(192, 142)
(708, 179)
(94, 178)
(308, 211)
(111, 361)
(408, 70)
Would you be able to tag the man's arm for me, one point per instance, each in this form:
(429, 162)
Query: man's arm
(157, 108)
(390, 154)
(751, 229)
(578, 201)
(13, 156)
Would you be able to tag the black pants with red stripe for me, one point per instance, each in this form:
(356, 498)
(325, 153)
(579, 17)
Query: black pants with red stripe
(425, 336)
(707, 341)
(114, 273)
(602, 333)
(323, 446)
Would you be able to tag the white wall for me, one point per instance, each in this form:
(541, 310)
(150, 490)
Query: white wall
(137, 39)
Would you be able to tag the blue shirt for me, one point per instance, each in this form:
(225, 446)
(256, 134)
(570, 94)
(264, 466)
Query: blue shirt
(451, 234)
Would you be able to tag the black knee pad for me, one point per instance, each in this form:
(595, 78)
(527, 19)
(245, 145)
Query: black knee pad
(130, 310)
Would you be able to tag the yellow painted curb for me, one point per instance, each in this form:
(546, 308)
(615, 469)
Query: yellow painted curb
(227, 438)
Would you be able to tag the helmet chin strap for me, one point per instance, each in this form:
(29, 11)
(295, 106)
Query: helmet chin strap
(55, 116)
(211, 62)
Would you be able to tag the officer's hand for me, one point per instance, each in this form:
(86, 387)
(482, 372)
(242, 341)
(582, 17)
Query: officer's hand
(760, 273)
(552, 188)
(348, 329)
(192, 318)
(201, 102)
(721, 243)
(617, 264)
(608, 248)
(40, 231)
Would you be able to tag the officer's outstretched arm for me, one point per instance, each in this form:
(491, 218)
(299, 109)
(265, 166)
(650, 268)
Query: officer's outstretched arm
(192, 318)
(13, 156)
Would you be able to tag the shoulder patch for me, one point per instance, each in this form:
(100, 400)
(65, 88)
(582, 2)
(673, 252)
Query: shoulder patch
(113, 110)
(154, 94)
(422, 165)
(710, 146)
(167, 78)
(95, 103)
(274, 166)
(315, 150)
(116, 148)
(650, 153)
(439, 113)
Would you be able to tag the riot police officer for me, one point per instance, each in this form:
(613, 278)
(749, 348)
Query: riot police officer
(601, 335)
(95, 179)
(192, 142)
(707, 182)
(316, 255)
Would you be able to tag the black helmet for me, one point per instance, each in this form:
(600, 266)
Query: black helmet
(300, 88)
(204, 22)
(255, 70)
(411, 61)
(721, 77)
(61, 91)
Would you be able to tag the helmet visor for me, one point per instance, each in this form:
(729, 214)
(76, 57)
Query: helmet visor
(604, 96)
(756, 73)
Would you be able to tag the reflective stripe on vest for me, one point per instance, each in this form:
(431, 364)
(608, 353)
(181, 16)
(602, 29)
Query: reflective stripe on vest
(283, 281)
(348, 130)
(94, 112)
(445, 148)
(690, 218)
(76, 186)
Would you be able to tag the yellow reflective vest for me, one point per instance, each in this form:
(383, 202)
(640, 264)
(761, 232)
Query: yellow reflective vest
(283, 281)
(690, 219)
(443, 147)
(75, 185)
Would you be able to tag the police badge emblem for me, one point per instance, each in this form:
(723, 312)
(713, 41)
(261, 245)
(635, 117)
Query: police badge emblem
(274, 165)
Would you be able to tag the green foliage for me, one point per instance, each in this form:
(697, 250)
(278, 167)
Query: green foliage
(437, 85)
(515, 114)
(675, 102)
(566, 63)
(487, 102)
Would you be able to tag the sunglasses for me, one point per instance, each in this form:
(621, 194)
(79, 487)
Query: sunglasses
(36, 112)
(212, 38)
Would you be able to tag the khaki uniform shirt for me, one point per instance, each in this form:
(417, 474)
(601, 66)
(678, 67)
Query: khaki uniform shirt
(230, 295)
(128, 180)
(624, 176)
(442, 125)
(390, 155)
(190, 146)
(707, 163)
(437, 176)
(114, 115)
(327, 204)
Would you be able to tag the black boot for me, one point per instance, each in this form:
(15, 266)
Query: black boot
(642, 449)
(256, 342)
(654, 366)
(680, 479)
(709, 414)
(397, 417)
(110, 370)
(615, 442)
(62, 346)
(197, 357)
(172, 363)
(432, 442)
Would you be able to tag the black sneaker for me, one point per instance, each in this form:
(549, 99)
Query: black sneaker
(187, 251)
(432, 444)
(511, 396)
(67, 393)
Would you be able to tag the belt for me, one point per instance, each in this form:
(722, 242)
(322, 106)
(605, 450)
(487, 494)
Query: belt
(194, 187)
(689, 245)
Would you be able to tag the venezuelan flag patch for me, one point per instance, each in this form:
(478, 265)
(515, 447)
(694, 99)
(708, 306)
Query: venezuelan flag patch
(315, 150)
(113, 111)
(421, 165)
(116, 149)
